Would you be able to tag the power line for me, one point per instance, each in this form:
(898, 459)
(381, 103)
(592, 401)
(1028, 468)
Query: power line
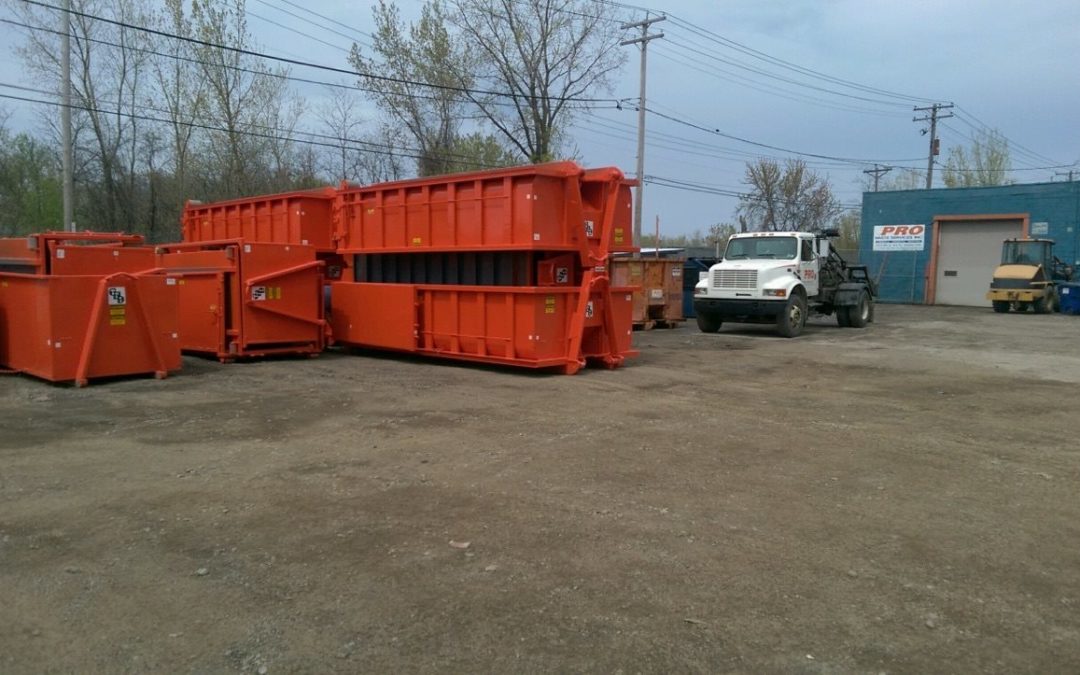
(253, 134)
(318, 66)
(717, 132)
(787, 94)
(253, 71)
(754, 53)
(759, 71)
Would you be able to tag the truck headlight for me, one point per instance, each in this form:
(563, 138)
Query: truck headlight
(700, 290)
(775, 292)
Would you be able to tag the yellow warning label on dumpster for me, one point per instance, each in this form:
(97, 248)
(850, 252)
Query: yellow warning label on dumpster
(417, 241)
(549, 304)
(116, 311)
(117, 321)
(618, 235)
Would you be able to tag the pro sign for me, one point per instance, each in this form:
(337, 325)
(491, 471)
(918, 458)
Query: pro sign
(899, 237)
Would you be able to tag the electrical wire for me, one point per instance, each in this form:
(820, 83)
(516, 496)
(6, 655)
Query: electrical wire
(318, 66)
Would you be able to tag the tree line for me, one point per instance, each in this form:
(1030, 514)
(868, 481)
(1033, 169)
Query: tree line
(189, 109)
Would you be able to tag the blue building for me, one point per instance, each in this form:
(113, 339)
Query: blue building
(941, 246)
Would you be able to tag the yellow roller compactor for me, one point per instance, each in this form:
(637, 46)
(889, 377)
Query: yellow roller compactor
(1027, 277)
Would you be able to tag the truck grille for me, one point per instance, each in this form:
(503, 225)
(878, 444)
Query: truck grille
(734, 279)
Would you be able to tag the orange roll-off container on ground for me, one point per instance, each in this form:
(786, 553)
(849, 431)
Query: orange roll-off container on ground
(79, 306)
(241, 299)
(567, 219)
(302, 217)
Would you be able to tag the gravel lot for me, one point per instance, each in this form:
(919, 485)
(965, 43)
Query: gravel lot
(902, 499)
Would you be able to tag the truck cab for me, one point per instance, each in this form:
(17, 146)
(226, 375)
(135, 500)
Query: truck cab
(767, 277)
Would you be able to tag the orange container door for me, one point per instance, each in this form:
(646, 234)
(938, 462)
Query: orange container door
(281, 296)
(374, 315)
(203, 312)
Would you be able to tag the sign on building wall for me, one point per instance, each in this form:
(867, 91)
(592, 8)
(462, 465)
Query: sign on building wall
(899, 237)
(1040, 229)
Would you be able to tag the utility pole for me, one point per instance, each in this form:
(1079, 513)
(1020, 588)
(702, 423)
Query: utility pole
(1068, 174)
(644, 42)
(935, 145)
(68, 160)
(877, 172)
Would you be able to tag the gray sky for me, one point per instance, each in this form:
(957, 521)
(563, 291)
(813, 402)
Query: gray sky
(1009, 65)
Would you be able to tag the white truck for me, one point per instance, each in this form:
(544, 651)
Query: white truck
(767, 277)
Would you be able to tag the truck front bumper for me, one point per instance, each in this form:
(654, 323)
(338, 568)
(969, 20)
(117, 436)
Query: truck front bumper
(735, 309)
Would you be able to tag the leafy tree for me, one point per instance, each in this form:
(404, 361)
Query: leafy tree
(850, 225)
(30, 191)
(785, 198)
(985, 162)
(545, 52)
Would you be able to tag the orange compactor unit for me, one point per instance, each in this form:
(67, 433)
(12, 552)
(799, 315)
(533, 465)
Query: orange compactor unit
(242, 299)
(78, 306)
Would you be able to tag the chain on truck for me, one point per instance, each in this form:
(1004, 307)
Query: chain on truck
(780, 277)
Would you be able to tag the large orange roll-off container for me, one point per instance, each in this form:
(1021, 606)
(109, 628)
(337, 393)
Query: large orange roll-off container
(559, 327)
(79, 327)
(552, 207)
(288, 218)
(243, 299)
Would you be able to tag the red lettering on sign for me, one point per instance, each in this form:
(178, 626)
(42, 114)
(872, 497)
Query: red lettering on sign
(888, 229)
(916, 230)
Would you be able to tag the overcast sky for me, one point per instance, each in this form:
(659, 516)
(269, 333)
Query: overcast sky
(1009, 65)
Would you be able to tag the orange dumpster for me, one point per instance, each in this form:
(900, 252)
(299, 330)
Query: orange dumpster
(243, 299)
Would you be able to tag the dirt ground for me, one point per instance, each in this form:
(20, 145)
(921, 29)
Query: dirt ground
(897, 499)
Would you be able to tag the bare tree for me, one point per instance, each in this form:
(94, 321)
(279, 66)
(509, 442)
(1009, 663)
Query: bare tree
(181, 91)
(415, 72)
(107, 70)
(245, 104)
(985, 162)
(339, 117)
(785, 198)
(545, 53)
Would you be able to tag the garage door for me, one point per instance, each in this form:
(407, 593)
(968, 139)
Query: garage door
(968, 252)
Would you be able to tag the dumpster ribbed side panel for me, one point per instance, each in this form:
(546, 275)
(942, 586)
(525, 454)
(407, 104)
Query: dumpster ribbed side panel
(521, 208)
(304, 218)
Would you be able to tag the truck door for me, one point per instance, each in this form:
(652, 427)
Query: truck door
(808, 268)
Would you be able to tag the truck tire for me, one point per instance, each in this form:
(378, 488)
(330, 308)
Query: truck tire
(862, 312)
(790, 322)
(1001, 306)
(708, 324)
(843, 319)
(1023, 306)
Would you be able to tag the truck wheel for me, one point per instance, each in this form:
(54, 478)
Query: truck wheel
(862, 312)
(1001, 306)
(708, 324)
(791, 321)
(843, 319)
(1022, 306)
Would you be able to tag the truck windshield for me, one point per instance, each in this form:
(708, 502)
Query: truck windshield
(1025, 252)
(749, 248)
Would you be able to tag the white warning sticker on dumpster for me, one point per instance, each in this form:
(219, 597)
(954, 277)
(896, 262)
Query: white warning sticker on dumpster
(562, 275)
(117, 295)
(589, 310)
(258, 293)
(899, 237)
